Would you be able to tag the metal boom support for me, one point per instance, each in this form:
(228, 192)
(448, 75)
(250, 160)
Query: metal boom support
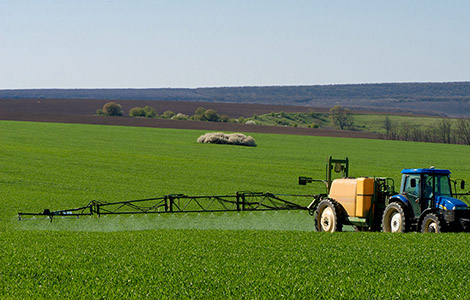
(241, 201)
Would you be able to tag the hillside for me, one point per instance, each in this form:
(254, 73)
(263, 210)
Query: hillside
(443, 99)
(83, 111)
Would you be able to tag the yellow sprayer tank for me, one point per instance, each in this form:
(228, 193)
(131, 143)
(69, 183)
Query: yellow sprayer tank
(354, 194)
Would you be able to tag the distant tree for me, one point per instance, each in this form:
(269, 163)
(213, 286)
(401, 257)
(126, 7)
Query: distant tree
(168, 114)
(200, 111)
(100, 112)
(444, 128)
(211, 115)
(391, 129)
(387, 126)
(112, 109)
(180, 116)
(137, 112)
(199, 114)
(416, 134)
(150, 112)
(224, 118)
(405, 131)
(342, 117)
(463, 131)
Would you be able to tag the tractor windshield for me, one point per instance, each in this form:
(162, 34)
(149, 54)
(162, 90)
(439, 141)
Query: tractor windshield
(441, 186)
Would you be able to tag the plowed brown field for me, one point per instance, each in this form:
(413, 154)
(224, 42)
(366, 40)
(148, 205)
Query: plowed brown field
(83, 111)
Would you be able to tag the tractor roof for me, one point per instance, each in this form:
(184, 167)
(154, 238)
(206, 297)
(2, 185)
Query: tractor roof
(425, 171)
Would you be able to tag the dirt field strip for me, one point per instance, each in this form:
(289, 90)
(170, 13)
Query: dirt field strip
(82, 111)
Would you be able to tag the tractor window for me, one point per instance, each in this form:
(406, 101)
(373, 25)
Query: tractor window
(428, 184)
(409, 189)
(443, 185)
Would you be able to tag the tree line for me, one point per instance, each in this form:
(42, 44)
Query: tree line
(201, 114)
(445, 130)
(446, 98)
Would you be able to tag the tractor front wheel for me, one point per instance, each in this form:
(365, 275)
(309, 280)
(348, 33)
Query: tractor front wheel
(328, 217)
(394, 218)
(432, 224)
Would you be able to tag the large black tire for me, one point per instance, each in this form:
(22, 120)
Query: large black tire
(328, 216)
(394, 218)
(433, 224)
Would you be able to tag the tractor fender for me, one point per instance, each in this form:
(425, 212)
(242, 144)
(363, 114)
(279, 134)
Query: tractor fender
(403, 200)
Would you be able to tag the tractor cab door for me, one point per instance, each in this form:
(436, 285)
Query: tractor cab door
(428, 191)
(412, 191)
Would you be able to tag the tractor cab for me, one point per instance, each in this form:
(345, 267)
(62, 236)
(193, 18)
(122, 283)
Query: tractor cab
(426, 203)
(429, 188)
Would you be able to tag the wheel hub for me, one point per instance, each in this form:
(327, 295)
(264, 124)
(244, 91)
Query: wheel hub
(431, 227)
(395, 222)
(327, 219)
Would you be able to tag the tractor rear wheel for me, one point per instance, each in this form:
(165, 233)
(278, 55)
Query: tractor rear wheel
(394, 218)
(328, 216)
(433, 224)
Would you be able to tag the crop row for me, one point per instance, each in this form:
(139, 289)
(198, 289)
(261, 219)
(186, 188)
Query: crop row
(233, 264)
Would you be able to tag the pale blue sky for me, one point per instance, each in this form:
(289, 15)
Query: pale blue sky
(132, 44)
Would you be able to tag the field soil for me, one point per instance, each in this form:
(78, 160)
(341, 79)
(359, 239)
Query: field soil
(82, 111)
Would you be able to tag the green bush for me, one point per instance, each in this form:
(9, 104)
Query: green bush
(150, 112)
(100, 112)
(199, 114)
(112, 109)
(211, 115)
(137, 112)
(180, 116)
(168, 114)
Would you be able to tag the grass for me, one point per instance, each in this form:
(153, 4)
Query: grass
(362, 122)
(206, 256)
(180, 264)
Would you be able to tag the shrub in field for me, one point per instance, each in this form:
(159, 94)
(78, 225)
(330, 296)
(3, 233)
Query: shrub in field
(100, 112)
(137, 112)
(180, 116)
(250, 122)
(150, 112)
(199, 114)
(224, 118)
(224, 138)
(211, 115)
(112, 109)
(168, 114)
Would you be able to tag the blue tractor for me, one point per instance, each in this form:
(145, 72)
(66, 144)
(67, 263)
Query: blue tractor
(426, 203)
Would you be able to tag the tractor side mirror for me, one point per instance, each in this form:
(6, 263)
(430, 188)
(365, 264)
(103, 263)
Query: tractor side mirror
(413, 182)
(462, 184)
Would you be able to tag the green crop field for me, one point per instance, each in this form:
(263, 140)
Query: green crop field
(362, 122)
(219, 255)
